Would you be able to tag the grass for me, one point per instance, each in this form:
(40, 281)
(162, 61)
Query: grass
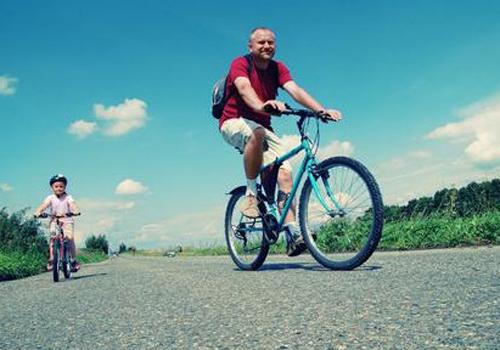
(435, 231)
(14, 265)
(86, 256)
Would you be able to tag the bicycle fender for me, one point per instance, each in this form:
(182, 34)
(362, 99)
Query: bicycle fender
(236, 190)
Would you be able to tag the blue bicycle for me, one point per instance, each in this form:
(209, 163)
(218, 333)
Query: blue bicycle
(340, 208)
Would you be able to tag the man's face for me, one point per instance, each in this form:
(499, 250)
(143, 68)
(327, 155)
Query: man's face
(262, 44)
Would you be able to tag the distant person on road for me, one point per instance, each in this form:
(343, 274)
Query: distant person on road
(60, 203)
(245, 124)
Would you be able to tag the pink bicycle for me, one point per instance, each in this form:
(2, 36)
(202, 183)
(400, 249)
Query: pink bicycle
(60, 247)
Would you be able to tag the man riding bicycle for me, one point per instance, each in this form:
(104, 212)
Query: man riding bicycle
(252, 87)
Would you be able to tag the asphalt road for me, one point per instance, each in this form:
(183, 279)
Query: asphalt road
(413, 300)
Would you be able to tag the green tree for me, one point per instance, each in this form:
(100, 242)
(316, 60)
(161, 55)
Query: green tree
(17, 233)
(123, 248)
(97, 243)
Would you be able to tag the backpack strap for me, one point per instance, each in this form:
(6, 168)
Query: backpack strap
(249, 59)
(273, 65)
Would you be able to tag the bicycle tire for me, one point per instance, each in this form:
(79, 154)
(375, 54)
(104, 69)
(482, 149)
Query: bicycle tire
(66, 262)
(228, 231)
(373, 237)
(55, 266)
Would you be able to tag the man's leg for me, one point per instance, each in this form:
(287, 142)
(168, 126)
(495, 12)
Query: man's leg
(248, 137)
(285, 183)
(252, 156)
(252, 159)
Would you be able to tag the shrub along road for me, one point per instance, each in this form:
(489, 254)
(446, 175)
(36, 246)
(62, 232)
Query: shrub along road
(398, 300)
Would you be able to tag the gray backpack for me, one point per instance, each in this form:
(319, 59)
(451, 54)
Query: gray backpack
(219, 93)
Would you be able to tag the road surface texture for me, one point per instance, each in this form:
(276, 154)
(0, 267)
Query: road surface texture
(440, 299)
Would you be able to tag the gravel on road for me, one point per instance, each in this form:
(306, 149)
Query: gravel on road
(437, 299)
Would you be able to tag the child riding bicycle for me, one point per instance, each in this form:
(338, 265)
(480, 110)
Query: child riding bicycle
(60, 203)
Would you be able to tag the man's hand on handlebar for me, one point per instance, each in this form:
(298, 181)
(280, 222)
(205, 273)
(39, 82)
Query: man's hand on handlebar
(274, 107)
(332, 114)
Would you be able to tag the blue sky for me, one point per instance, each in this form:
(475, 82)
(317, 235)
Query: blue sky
(418, 83)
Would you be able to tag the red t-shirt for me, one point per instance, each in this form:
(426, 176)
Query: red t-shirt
(265, 82)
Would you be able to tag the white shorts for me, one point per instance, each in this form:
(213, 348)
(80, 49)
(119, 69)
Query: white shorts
(68, 229)
(237, 131)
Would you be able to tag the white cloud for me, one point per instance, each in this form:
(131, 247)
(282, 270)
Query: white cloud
(421, 173)
(87, 204)
(129, 186)
(191, 228)
(334, 148)
(113, 120)
(100, 216)
(8, 85)
(479, 130)
(5, 187)
(122, 118)
(82, 128)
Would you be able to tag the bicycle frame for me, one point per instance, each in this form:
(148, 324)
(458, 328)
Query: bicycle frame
(59, 240)
(307, 166)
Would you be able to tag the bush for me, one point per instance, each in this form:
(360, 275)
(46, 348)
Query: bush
(20, 234)
(97, 243)
(17, 265)
(23, 246)
(123, 248)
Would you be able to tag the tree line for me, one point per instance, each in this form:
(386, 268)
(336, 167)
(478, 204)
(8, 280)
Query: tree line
(475, 198)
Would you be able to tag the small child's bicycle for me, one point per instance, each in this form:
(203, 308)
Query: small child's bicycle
(60, 247)
(340, 208)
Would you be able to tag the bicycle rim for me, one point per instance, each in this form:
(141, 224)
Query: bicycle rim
(345, 236)
(244, 236)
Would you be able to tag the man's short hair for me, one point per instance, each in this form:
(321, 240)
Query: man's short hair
(259, 28)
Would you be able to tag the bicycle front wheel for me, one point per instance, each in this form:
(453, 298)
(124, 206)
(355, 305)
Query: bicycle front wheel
(245, 237)
(66, 262)
(56, 263)
(341, 216)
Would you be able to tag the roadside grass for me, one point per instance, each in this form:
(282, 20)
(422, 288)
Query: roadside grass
(435, 231)
(88, 256)
(14, 265)
(442, 231)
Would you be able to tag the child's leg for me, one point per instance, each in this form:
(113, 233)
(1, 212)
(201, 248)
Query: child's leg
(69, 234)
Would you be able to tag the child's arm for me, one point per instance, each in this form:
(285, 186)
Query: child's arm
(73, 208)
(45, 204)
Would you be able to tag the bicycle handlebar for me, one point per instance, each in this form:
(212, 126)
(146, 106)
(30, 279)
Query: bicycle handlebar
(46, 215)
(303, 113)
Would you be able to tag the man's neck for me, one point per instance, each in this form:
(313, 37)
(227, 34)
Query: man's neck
(260, 63)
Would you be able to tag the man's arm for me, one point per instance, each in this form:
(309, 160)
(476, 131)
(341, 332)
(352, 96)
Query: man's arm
(250, 97)
(301, 96)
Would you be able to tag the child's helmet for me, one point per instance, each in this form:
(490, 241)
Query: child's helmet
(58, 178)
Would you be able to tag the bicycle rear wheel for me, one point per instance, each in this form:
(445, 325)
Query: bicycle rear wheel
(345, 236)
(245, 237)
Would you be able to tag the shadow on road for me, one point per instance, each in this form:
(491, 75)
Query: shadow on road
(310, 267)
(89, 276)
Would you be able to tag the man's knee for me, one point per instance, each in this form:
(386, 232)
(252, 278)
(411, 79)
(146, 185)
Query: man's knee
(284, 177)
(258, 134)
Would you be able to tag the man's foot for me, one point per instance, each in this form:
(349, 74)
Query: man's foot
(50, 265)
(249, 207)
(75, 266)
(297, 245)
